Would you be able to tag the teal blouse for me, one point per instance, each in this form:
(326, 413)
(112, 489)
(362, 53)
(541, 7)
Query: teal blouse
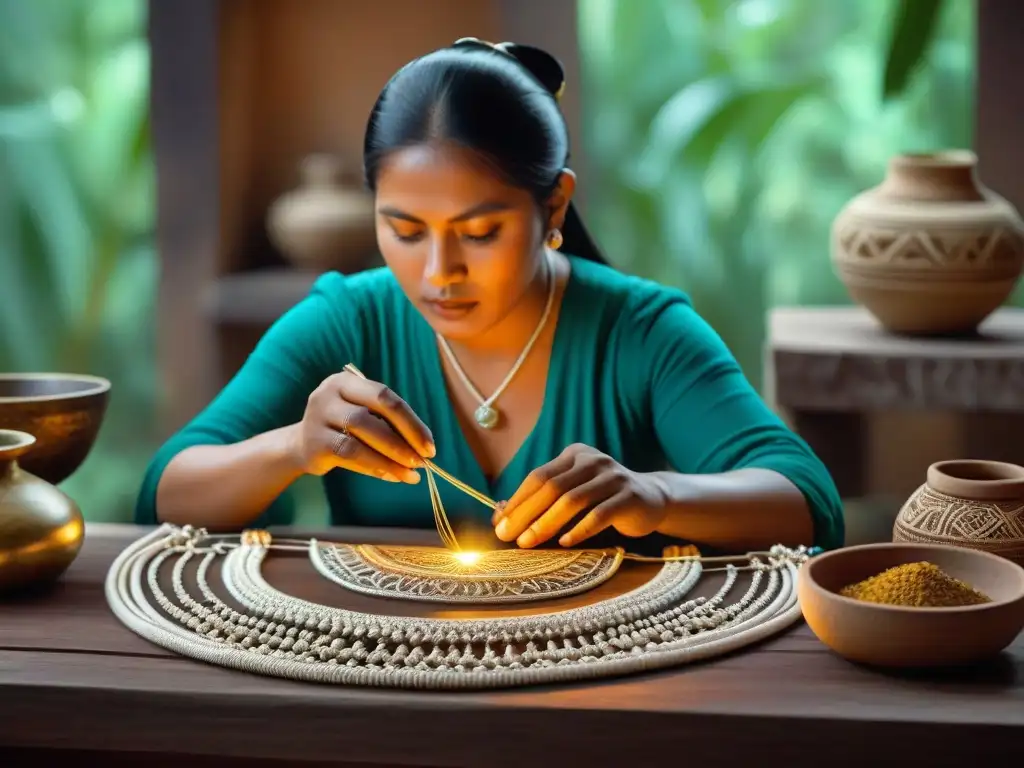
(635, 372)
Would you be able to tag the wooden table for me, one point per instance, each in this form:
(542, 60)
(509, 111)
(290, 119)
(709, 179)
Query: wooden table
(73, 679)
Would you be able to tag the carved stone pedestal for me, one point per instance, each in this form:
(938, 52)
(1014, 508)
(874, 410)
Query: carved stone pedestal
(829, 369)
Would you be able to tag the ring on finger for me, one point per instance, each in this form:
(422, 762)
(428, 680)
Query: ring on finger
(338, 444)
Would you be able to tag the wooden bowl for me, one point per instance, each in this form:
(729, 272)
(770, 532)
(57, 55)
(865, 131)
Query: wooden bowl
(897, 636)
(62, 411)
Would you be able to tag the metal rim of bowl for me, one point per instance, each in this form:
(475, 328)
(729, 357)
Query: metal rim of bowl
(22, 440)
(812, 583)
(100, 385)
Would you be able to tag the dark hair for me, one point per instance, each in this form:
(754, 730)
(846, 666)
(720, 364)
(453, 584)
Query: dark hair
(498, 100)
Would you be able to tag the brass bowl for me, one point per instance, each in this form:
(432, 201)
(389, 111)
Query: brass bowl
(62, 411)
(907, 637)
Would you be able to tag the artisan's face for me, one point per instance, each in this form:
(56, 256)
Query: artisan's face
(463, 244)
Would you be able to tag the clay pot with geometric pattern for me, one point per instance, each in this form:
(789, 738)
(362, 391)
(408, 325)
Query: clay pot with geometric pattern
(967, 503)
(930, 251)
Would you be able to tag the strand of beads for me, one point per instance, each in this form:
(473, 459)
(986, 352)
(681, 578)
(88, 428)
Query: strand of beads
(244, 581)
(559, 637)
(656, 625)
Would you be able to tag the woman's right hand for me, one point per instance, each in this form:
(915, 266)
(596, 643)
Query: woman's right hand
(363, 426)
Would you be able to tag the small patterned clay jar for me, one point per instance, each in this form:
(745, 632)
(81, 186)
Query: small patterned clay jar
(968, 503)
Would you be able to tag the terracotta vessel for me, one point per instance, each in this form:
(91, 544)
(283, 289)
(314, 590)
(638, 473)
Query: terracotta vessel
(905, 637)
(327, 222)
(62, 411)
(41, 529)
(967, 503)
(931, 250)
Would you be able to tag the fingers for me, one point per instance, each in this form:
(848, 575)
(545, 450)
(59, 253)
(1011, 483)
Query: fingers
(382, 401)
(363, 440)
(348, 452)
(600, 517)
(568, 506)
(549, 487)
(358, 421)
(531, 485)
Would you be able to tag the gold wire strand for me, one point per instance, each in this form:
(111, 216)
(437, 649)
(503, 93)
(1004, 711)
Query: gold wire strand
(444, 527)
(681, 558)
(448, 536)
(469, 491)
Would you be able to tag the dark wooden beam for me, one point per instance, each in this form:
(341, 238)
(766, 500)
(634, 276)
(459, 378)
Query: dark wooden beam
(183, 102)
(999, 97)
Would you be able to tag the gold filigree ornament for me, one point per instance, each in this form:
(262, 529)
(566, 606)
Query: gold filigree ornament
(440, 575)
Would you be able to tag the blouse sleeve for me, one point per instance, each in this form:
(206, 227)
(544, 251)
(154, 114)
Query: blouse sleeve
(709, 419)
(269, 391)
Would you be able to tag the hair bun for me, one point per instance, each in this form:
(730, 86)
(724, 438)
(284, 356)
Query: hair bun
(538, 62)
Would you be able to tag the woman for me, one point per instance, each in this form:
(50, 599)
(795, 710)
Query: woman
(498, 342)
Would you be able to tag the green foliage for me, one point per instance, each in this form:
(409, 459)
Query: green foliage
(913, 29)
(77, 264)
(722, 138)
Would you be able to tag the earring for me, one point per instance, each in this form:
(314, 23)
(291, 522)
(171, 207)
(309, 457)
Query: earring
(555, 239)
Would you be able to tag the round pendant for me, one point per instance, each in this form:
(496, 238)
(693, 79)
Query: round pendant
(486, 416)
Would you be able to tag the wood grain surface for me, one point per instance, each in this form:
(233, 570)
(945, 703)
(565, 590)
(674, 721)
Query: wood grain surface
(73, 678)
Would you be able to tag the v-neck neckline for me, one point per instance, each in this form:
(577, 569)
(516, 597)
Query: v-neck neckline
(463, 449)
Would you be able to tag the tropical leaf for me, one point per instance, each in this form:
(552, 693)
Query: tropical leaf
(913, 30)
(752, 114)
(700, 118)
(680, 120)
(20, 336)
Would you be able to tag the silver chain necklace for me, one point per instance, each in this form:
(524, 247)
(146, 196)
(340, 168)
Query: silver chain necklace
(486, 415)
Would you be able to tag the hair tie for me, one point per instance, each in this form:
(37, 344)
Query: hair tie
(464, 41)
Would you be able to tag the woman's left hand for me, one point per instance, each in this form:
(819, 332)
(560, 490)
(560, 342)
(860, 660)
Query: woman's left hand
(581, 480)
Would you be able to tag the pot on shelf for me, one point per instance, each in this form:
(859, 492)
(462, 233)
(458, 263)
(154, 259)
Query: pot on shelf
(41, 528)
(967, 503)
(327, 222)
(931, 250)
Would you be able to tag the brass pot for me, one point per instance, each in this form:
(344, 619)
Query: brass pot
(63, 411)
(41, 528)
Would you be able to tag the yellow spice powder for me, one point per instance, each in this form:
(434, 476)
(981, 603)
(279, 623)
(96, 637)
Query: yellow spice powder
(922, 585)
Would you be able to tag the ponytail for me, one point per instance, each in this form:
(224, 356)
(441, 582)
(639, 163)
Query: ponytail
(576, 240)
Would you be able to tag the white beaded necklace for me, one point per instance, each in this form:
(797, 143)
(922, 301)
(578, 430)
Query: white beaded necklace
(242, 622)
(486, 415)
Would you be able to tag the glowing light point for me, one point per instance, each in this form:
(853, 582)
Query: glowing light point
(467, 558)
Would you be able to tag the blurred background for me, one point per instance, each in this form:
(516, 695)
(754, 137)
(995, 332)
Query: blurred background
(715, 140)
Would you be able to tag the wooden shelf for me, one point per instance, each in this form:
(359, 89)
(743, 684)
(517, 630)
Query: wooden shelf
(256, 298)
